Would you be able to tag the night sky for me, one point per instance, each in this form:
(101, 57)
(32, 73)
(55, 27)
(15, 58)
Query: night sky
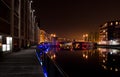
(73, 18)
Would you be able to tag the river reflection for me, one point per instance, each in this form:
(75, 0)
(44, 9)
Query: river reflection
(101, 62)
(110, 59)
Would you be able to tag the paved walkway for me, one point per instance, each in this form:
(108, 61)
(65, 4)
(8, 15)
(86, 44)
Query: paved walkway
(23, 63)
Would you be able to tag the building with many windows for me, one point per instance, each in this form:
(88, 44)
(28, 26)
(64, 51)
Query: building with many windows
(18, 27)
(109, 33)
(44, 36)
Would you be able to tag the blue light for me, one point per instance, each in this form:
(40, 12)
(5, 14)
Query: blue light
(41, 63)
(45, 71)
(45, 74)
(40, 46)
(38, 57)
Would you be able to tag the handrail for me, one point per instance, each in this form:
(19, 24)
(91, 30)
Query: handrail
(58, 67)
(52, 68)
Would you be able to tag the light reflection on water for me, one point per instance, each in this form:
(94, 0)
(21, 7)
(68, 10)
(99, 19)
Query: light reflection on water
(110, 59)
(101, 60)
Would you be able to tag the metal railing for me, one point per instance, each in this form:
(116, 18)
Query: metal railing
(49, 65)
(53, 70)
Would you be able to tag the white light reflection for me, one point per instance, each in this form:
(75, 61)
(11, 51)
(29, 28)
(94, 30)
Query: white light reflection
(116, 69)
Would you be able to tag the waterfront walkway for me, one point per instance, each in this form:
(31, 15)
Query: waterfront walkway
(23, 63)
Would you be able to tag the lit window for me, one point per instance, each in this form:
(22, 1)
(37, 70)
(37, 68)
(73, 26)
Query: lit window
(111, 23)
(105, 24)
(116, 23)
(0, 37)
(104, 31)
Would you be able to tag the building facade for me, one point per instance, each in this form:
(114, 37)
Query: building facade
(18, 27)
(44, 36)
(109, 33)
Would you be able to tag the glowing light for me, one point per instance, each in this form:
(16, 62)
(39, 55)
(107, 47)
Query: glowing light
(104, 31)
(111, 23)
(104, 66)
(31, 1)
(86, 56)
(53, 35)
(111, 53)
(103, 61)
(116, 69)
(41, 63)
(116, 23)
(8, 47)
(113, 42)
(103, 55)
(102, 42)
(9, 43)
(83, 35)
(33, 10)
(54, 55)
(83, 55)
(0, 37)
(0, 41)
(45, 71)
(114, 51)
(102, 50)
(86, 35)
(111, 68)
(4, 47)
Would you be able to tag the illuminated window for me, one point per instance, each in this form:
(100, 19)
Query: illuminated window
(4, 48)
(105, 25)
(104, 31)
(116, 23)
(111, 23)
(0, 37)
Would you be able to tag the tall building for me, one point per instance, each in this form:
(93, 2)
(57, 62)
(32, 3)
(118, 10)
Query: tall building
(18, 27)
(109, 33)
(93, 36)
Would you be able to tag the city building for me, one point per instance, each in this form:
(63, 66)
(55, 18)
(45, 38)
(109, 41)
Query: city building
(91, 37)
(44, 36)
(109, 33)
(18, 26)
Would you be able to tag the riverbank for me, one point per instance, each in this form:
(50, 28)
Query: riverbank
(109, 46)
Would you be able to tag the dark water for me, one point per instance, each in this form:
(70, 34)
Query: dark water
(83, 63)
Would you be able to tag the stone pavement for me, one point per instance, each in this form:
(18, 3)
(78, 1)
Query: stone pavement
(23, 63)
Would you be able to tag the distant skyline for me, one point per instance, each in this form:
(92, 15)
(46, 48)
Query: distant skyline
(72, 18)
